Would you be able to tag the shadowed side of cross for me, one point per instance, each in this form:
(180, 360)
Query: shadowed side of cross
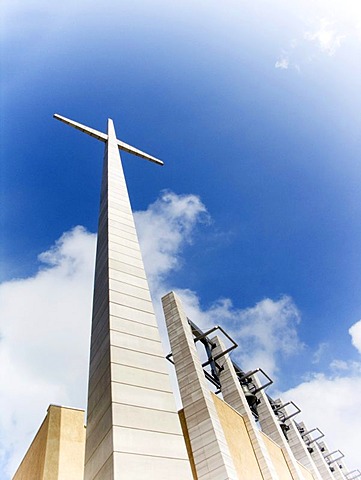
(110, 136)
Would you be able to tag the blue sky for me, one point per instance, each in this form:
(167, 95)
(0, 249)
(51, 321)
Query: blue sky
(254, 110)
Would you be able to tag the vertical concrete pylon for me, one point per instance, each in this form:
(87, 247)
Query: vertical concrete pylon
(210, 450)
(133, 429)
(300, 451)
(233, 394)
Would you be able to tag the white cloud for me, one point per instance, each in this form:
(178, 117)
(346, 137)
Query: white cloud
(318, 354)
(45, 339)
(332, 404)
(355, 332)
(282, 63)
(318, 27)
(326, 37)
(164, 228)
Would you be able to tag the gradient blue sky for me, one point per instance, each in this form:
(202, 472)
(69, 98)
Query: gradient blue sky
(253, 108)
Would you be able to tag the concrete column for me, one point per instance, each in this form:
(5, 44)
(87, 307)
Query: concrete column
(133, 429)
(337, 473)
(233, 394)
(210, 450)
(343, 468)
(270, 426)
(300, 451)
(317, 458)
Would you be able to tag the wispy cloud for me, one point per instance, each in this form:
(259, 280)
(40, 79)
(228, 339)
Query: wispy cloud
(355, 332)
(282, 63)
(332, 404)
(163, 230)
(319, 353)
(44, 340)
(322, 28)
(326, 37)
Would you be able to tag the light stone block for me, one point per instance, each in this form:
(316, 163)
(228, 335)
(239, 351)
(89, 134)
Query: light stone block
(131, 314)
(141, 378)
(157, 468)
(131, 327)
(136, 343)
(124, 246)
(142, 397)
(132, 290)
(126, 267)
(123, 258)
(143, 442)
(128, 279)
(115, 234)
(145, 419)
(138, 360)
(125, 250)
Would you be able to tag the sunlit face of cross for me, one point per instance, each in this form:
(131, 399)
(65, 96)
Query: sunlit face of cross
(109, 137)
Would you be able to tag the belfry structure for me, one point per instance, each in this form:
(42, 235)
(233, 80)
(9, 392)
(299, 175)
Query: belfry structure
(133, 429)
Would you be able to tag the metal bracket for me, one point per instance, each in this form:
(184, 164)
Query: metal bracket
(305, 434)
(284, 419)
(252, 372)
(335, 459)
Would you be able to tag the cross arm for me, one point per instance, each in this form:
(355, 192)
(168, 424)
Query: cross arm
(138, 153)
(90, 131)
(104, 138)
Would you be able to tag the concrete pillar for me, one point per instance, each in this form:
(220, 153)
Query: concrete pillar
(337, 473)
(209, 447)
(233, 394)
(320, 462)
(270, 426)
(300, 451)
(133, 429)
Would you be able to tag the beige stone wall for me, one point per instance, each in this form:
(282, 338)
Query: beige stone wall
(32, 465)
(306, 473)
(57, 451)
(241, 448)
(238, 441)
(278, 459)
(72, 444)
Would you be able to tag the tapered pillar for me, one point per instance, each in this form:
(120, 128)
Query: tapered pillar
(210, 450)
(270, 427)
(300, 451)
(133, 430)
(233, 394)
(332, 465)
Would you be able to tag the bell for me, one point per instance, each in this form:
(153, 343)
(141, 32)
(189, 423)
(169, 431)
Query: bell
(310, 449)
(284, 428)
(250, 397)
